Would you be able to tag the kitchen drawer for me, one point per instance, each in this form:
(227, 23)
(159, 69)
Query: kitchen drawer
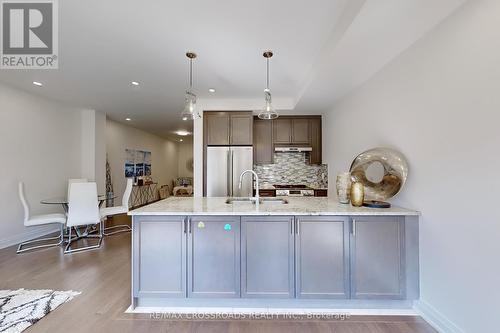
(267, 193)
(321, 193)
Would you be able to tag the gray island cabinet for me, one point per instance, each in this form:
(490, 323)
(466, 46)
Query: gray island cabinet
(311, 252)
(322, 257)
(213, 256)
(377, 258)
(267, 258)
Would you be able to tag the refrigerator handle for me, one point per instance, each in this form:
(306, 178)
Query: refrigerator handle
(232, 172)
(228, 174)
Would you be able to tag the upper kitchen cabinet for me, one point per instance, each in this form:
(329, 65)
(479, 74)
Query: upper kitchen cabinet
(228, 128)
(241, 128)
(282, 130)
(291, 130)
(216, 128)
(262, 141)
(300, 131)
(315, 140)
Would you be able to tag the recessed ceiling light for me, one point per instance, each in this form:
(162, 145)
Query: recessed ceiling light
(135, 83)
(128, 119)
(181, 140)
(182, 133)
(38, 84)
(212, 90)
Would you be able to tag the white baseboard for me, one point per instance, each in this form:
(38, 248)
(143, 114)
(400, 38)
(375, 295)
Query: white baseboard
(435, 318)
(276, 311)
(28, 235)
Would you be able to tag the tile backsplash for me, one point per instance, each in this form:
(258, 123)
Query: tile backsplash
(292, 168)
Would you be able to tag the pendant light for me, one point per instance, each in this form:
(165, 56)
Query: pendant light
(268, 111)
(189, 112)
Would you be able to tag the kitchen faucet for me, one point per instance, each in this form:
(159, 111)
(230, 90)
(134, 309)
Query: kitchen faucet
(256, 198)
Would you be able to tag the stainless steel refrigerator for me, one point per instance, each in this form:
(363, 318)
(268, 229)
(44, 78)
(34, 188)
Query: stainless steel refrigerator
(224, 167)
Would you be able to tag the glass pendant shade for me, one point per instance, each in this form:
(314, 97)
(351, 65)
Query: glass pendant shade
(189, 111)
(268, 115)
(268, 111)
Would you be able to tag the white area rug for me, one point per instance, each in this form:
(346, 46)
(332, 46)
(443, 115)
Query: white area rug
(19, 309)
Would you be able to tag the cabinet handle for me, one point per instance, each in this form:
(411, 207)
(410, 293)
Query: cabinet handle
(232, 176)
(297, 229)
(184, 225)
(354, 227)
(228, 176)
(189, 225)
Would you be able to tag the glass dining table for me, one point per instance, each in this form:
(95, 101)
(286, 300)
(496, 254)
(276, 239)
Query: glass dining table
(65, 204)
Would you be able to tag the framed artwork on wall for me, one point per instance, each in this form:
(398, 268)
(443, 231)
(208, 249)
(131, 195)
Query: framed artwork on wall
(137, 163)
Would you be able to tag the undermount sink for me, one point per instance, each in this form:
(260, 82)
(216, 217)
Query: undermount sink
(238, 199)
(274, 200)
(261, 201)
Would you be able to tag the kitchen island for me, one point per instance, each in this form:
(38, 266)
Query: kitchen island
(308, 253)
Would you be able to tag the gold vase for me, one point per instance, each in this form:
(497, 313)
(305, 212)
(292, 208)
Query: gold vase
(357, 194)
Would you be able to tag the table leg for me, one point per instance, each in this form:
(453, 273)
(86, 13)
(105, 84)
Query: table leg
(65, 232)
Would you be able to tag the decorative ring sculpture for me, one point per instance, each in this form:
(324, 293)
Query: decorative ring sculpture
(395, 172)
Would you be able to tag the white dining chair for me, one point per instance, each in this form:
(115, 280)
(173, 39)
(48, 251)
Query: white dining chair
(124, 208)
(75, 180)
(37, 220)
(83, 211)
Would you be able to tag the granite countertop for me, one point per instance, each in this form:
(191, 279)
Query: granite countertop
(318, 187)
(296, 206)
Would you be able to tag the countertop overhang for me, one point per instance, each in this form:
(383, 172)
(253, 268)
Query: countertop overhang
(297, 206)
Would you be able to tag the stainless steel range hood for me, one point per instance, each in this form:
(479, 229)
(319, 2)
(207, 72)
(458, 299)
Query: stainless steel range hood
(292, 149)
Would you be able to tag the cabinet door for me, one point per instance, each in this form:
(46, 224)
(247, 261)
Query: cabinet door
(159, 257)
(267, 257)
(214, 257)
(377, 258)
(322, 257)
(300, 131)
(315, 134)
(263, 141)
(217, 128)
(282, 130)
(266, 193)
(241, 128)
(320, 193)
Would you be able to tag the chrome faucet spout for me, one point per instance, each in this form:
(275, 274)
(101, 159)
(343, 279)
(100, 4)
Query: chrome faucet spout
(256, 198)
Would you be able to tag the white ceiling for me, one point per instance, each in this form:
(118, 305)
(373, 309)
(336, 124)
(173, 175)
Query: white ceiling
(323, 49)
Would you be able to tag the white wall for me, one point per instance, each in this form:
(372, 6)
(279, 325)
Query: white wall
(185, 159)
(100, 151)
(164, 163)
(439, 104)
(93, 147)
(38, 146)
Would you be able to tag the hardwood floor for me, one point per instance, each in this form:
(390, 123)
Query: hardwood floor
(103, 277)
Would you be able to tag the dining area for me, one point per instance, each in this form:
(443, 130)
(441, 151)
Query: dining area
(83, 223)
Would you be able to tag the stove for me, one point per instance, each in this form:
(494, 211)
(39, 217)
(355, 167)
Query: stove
(278, 186)
(294, 190)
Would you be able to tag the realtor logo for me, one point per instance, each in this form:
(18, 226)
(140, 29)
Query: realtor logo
(29, 34)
